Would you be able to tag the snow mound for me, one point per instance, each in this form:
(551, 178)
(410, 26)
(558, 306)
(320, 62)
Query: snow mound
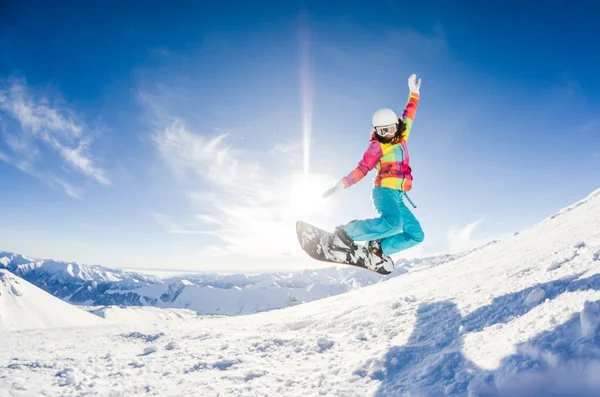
(25, 306)
(142, 314)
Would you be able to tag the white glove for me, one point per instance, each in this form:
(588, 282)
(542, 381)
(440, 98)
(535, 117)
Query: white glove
(337, 188)
(414, 84)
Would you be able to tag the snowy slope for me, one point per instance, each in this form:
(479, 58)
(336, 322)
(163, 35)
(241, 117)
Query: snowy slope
(24, 306)
(517, 318)
(228, 294)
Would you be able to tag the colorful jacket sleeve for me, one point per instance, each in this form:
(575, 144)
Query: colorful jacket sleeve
(409, 112)
(368, 162)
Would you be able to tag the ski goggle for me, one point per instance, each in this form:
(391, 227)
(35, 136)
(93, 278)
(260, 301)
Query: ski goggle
(386, 130)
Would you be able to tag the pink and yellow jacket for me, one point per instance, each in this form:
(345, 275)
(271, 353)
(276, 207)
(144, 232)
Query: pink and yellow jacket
(390, 159)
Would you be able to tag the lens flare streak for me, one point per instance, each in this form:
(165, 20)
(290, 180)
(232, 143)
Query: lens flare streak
(306, 91)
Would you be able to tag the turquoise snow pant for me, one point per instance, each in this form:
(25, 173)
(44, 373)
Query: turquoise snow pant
(396, 227)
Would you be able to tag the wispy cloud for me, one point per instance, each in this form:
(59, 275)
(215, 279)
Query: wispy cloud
(468, 237)
(250, 209)
(79, 159)
(194, 155)
(461, 238)
(285, 148)
(33, 124)
(69, 189)
(175, 228)
(208, 219)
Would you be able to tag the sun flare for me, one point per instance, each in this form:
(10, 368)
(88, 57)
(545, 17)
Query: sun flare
(305, 197)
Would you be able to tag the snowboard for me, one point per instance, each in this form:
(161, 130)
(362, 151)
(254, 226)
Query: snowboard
(317, 244)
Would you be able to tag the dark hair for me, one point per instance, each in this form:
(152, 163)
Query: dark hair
(401, 129)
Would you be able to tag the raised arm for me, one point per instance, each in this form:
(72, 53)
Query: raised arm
(368, 162)
(413, 101)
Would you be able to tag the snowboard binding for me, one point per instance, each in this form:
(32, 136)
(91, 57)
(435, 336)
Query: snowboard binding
(340, 241)
(379, 259)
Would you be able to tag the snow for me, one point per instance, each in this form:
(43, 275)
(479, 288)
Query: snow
(494, 323)
(21, 265)
(593, 195)
(589, 319)
(171, 346)
(324, 343)
(535, 297)
(141, 315)
(149, 350)
(68, 377)
(245, 294)
(24, 306)
(219, 294)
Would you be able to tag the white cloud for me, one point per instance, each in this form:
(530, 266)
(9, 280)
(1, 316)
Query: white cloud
(205, 218)
(461, 239)
(250, 208)
(281, 148)
(69, 189)
(79, 159)
(185, 231)
(44, 122)
(188, 153)
(175, 228)
(35, 114)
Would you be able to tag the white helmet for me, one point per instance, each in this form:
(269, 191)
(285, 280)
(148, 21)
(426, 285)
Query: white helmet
(385, 124)
(384, 117)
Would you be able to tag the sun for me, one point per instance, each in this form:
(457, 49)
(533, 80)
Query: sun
(305, 197)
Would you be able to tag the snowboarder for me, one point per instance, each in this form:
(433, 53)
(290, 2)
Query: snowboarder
(396, 229)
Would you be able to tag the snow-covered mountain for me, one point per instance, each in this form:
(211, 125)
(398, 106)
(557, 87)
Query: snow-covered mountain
(77, 283)
(25, 306)
(229, 294)
(517, 318)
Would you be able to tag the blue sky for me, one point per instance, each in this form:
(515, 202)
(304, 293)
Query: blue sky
(171, 136)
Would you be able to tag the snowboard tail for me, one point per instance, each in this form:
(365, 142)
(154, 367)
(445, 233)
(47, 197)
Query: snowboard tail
(317, 243)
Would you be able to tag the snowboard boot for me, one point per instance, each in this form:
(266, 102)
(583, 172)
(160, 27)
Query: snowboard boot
(378, 258)
(341, 241)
